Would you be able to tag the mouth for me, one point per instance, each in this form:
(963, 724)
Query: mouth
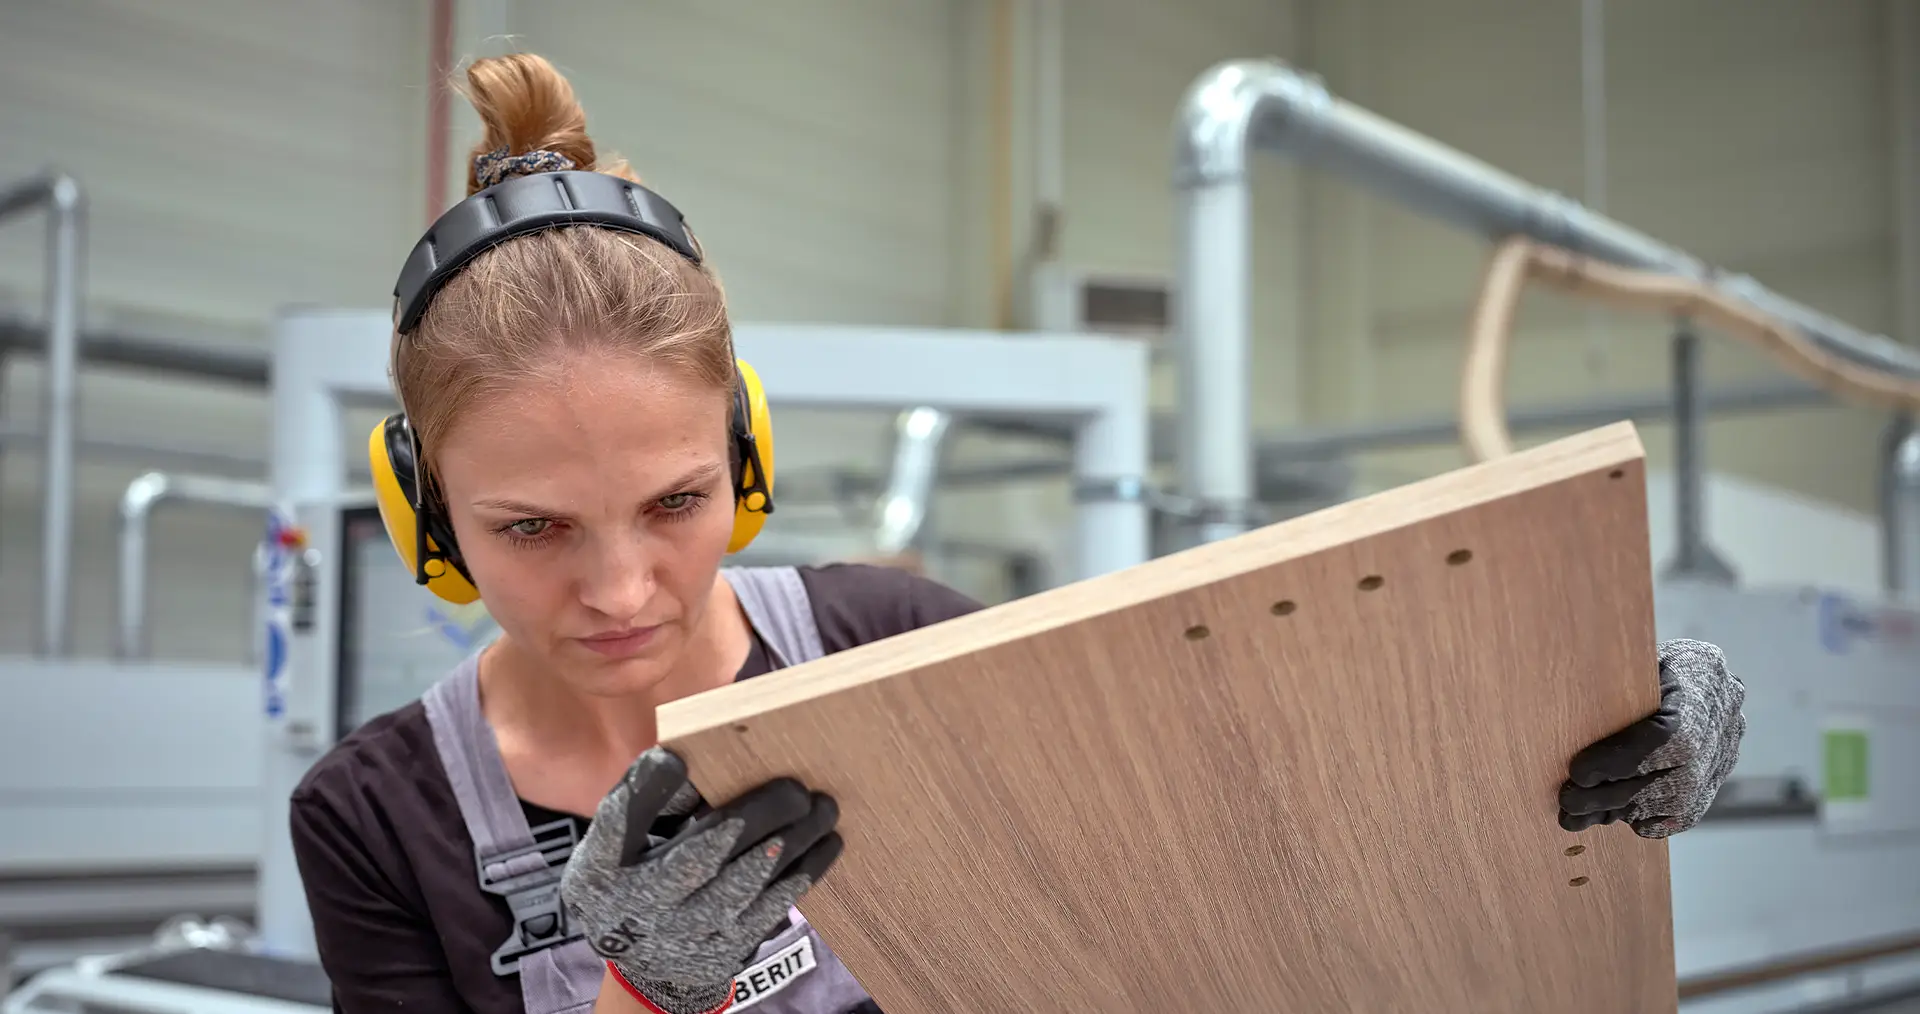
(620, 643)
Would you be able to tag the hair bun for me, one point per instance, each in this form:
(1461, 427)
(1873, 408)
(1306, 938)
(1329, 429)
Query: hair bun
(532, 121)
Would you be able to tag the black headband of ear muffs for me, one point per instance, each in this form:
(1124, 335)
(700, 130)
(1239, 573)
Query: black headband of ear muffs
(548, 200)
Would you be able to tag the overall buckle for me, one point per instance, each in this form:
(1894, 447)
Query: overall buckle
(529, 878)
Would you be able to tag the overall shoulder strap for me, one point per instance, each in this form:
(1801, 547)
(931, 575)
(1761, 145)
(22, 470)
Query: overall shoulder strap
(777, 604)
(521, 863)
(467, 749)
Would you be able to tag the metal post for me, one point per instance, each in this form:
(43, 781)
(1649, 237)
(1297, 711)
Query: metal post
(1114, 532)
(901, 511)
(6, 428)
(1214, 349)
(1212, 303)
(60, 398)
(1900, 508)
(1693, 558)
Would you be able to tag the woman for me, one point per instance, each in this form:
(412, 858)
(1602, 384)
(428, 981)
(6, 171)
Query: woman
(581, 448)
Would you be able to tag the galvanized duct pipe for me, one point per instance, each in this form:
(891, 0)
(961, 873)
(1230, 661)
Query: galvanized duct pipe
(1900, 453)
(1900, 508)
(900, 515)
(137, 505)
(60, 396)
(1236, 107)
(245, 366)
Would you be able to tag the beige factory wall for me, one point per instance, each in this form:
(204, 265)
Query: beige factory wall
(237, 156)
(1126, 64)
(814, 149)
(1752, 134)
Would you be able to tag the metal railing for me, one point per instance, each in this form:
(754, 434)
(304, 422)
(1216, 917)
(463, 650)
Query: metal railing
(60, 195)
(143, 495)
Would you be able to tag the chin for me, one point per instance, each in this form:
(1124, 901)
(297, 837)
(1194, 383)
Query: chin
(594, 675)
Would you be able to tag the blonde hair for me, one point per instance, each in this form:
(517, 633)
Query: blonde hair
(514, 307)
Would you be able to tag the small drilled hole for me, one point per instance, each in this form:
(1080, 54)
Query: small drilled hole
(1577, 882)
(1371, 582)
(1618, 473)
(1284, 607)
(740, 728)
(1574, 850)
(1459, 556)
(1197, 633)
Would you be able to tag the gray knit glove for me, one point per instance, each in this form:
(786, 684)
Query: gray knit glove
(1661, 773)
(678, 917)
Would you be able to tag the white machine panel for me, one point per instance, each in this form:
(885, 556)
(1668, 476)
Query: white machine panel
(1833, 703)
(396, 638)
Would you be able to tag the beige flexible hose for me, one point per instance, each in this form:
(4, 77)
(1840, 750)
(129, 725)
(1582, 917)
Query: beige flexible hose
(1483, 414)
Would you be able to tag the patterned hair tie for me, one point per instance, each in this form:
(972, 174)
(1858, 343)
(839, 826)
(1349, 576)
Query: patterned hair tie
(496, 166)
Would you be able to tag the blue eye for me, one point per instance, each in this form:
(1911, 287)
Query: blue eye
(530, 528)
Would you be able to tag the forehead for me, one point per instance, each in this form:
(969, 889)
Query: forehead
(588, 411)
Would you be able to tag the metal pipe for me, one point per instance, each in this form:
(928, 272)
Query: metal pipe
(1049, 47)
(239, 364)
(1593, 140)
(902, 509)
(1212, 344)
(5, 361)
(137, 505)
(1236, 106)
(1900, 508)
(1900, 452)
(59, 405)
(1693, 557)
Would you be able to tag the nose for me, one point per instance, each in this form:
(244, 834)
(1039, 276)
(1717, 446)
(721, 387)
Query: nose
(618, 576)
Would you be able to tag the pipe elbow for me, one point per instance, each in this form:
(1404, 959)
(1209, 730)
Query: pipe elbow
(1903, 461)
(1233, 105)
(64, 193)
(141, 494)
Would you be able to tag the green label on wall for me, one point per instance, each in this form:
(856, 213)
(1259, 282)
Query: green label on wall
(1846, 755)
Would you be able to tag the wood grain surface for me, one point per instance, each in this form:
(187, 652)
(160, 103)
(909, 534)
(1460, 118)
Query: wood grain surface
(1312, 768)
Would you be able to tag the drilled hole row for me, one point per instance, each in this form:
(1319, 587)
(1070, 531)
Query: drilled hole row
(1287, 607)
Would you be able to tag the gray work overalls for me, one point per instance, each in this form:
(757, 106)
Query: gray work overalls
(793, 973)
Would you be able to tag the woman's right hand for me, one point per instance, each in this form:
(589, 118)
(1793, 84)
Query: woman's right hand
(676, 918)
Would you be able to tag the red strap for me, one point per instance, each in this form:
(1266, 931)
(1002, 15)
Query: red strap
(654, 1008)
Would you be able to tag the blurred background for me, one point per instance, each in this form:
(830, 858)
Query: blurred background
(996, 165)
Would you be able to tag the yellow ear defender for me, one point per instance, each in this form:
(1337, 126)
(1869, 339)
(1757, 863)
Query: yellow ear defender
(752, 458)
(417, 522)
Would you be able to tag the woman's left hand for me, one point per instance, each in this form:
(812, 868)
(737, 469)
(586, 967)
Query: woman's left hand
(1661, 773)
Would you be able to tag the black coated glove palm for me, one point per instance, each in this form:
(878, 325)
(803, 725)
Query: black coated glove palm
(1661, 773)
(678, 917)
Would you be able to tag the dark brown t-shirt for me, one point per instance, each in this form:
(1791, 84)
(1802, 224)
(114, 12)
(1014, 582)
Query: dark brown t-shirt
(398, 913)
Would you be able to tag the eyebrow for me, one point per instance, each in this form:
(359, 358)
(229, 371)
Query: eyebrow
(697, 475)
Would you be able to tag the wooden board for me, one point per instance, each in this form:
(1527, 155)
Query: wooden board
(1312, 768)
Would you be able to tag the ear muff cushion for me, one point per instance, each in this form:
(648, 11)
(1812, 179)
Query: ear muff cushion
(390, 458)
(749, 513)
